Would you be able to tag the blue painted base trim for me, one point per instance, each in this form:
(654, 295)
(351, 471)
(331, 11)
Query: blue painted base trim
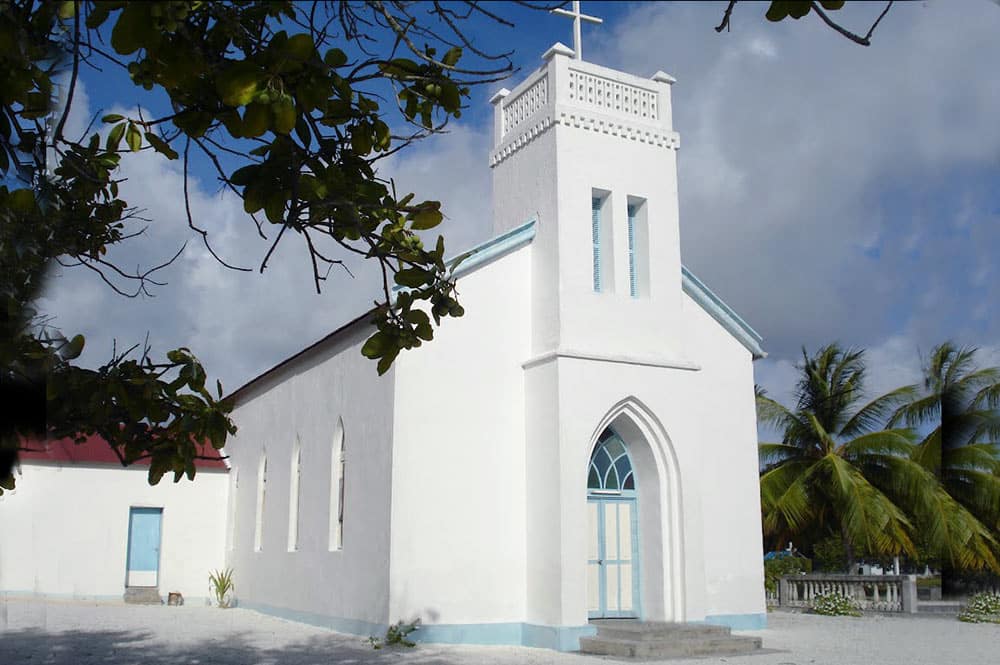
(559, 638)
(739, 621)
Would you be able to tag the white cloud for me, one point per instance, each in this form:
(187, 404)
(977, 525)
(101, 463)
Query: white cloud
(799, 150)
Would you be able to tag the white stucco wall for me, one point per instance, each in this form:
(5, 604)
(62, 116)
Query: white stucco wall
(302, 401)
(65, 530)
(723, 399)
(458, 484)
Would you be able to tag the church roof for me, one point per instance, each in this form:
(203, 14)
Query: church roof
(519, 236)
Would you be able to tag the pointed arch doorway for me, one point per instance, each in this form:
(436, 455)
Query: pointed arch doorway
(613, 525)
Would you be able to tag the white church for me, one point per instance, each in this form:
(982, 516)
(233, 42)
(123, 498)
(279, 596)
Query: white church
(580, 445)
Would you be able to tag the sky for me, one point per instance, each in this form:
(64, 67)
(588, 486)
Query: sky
(828, 192)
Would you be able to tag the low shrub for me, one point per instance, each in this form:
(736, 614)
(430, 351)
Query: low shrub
(835, 604)
(982, 608)
(395, 635)
(221, 586)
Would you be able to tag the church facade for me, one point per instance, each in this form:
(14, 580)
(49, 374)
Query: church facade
(580, 445)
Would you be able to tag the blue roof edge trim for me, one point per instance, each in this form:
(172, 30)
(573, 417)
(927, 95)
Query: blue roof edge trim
(722, 313)
(485, 252)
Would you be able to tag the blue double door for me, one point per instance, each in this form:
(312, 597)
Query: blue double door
(143, 562)
(613, 557)
(613, 531)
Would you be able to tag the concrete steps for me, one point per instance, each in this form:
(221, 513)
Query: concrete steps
(940, 607)
(634, 639)
(143, 595)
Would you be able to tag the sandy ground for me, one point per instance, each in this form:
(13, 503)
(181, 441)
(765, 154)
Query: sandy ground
(74, 633)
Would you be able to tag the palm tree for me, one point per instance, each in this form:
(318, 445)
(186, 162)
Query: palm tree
(838, 469)
(959, 403)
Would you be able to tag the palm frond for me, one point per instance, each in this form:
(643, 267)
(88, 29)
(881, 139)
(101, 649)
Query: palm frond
(776, 453)
(928, 452)
(785, 498)
(876, 413)
(922, 410)
(868, 516)
(898, 442)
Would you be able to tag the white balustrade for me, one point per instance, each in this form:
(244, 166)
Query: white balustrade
(612, 97)
(878, 593)
(526, 104)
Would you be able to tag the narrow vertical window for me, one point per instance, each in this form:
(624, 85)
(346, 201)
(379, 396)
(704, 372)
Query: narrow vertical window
(293, 496)
(337, 488)
(258, 532)
(633, 275)
(595, 221)
(234, 488)
(639, 284)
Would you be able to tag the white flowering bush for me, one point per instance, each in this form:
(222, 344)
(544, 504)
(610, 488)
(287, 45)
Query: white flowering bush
(982, 608)
(835, 604)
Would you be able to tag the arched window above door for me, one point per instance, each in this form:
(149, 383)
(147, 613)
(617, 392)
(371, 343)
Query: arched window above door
(610, 466)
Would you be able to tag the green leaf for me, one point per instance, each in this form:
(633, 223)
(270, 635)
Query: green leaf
(73, 348)
(385, 362)
(112, 117)
(375, 346)
(335, 58)
(242, 176)
(777, 11)
(413, 277)
(194, 123)
(161, 146)
(426, 218)
(238, 84)
(133, 138)
(256, 119)
(300, 47)
(274, 208)
(284, 115)
(452, 56)
(134, 26)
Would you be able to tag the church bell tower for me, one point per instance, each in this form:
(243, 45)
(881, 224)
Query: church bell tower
(590, 154)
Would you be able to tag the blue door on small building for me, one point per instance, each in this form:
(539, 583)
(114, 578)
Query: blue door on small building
(143, 563)
(613, 543)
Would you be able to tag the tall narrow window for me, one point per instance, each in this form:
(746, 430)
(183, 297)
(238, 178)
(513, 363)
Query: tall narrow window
(293, 496)
(234, 489)
(602, 238)
(639, 285)
(337, 488)
(258, 532)
(595, 222)
(633, 275)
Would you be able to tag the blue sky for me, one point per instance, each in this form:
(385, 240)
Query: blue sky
(829, 192)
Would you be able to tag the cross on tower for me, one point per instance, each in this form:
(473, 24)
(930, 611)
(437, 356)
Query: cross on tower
(577, 16)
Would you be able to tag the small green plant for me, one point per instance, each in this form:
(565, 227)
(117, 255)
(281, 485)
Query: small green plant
(982, 608)
(221, 585)
(835, 605)
(395, 635)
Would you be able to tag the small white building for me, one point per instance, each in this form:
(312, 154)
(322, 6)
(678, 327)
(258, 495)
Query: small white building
(581, 444)
(79, 526)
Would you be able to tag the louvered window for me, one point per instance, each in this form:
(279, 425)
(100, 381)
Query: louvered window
(595, 216)
(633, 274)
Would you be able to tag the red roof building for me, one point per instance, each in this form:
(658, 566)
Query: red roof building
(95, 450)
